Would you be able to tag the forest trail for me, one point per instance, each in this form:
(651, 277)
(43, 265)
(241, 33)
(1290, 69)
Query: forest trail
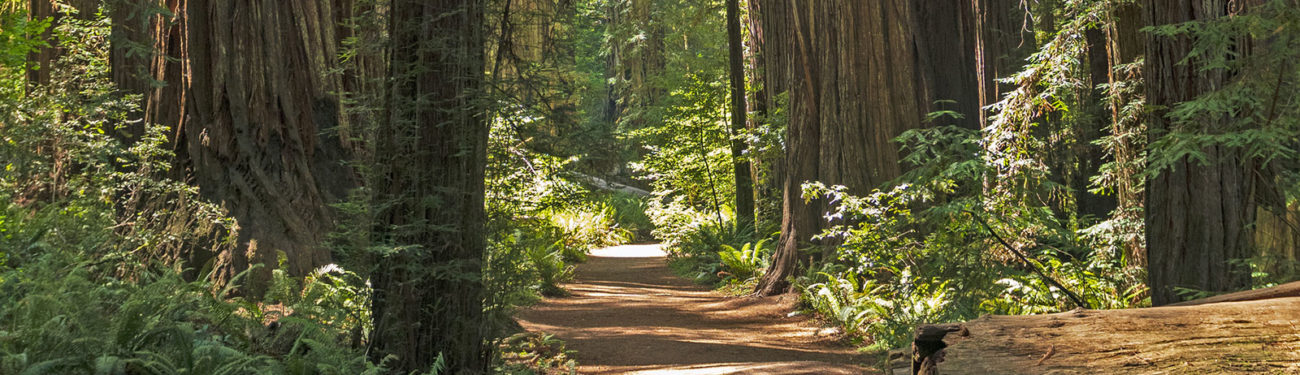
(629, 314)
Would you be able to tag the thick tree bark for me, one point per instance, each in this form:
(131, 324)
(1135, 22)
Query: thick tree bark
(859, 74)
(740, 162)
(1198, 215)
(432, 152)
(248, 91)
(1124, 45)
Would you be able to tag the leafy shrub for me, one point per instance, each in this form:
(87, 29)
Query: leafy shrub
(63, 318)
(674, 219)
(551, 269)
(584, 227)
(902, 252)
(886, 313)
(745, 263)
(525, 260)
(698, 251)
(629, 213)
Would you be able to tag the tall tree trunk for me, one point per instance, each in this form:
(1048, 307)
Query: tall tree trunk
(740, 162)
(1198, 215)
(1124, 45)
(859, 73)
(1086, 154)
(767, 173)
(432, 152)
(248, 90)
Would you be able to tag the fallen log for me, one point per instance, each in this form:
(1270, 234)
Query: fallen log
(1240, 337)
(1291, 289)
(928, 345)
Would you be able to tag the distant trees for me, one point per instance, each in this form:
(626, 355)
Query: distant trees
(736, 72)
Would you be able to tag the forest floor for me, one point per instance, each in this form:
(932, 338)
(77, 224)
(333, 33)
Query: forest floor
(629, 314)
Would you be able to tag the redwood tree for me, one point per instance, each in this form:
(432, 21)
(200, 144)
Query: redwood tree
(431, 155)
(247, 89)
(1198, 213)
(858, 73)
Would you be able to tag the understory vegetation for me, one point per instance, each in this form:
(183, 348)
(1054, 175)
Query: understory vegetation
(178, 197)
(92, 228)
(1008, 218)
(109, 262)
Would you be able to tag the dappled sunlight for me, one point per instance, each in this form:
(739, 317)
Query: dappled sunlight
(627, 313)
(631, 251)
(792, 368)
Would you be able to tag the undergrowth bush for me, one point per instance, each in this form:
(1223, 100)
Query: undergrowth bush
(532, 256)
(587, 226)
(929, 248)
(710, 253)
(629, 213)
(62, 318)
(745, 263)
(528, 261)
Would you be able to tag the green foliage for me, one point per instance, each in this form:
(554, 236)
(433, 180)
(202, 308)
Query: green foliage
(16, 42)
(63, 318)
(531, 255)
(520, 180)
(629, 213)
(95, 238)
(745, 263)
(584, 227)
(689, 155)
(539, 256)
(701, 247)
(906, 250)
(1252, 112)
(888, 314)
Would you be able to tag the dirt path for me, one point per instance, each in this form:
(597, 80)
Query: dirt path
(630, 315)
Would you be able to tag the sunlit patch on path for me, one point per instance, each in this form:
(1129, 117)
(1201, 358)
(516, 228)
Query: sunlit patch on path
(630, 315)
(630, 251)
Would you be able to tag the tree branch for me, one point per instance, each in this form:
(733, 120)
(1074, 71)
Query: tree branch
(1023, 258)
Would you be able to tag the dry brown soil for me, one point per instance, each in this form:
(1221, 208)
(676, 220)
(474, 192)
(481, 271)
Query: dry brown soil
(628, 314)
